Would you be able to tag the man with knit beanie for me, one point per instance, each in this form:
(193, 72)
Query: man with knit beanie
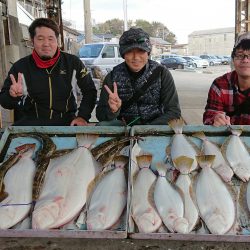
(139, 90)
(42, 87)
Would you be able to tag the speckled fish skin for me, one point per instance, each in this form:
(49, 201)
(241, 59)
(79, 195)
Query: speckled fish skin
(180, 146)
(183, 164)
(215, 202)
(248, 196)
(220, 165)
(109, 198)
(18, 183)
(65, 188)
(143, 213)
(169, 203)
(237, 155)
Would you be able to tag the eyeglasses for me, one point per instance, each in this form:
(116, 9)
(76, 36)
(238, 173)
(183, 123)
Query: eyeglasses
(241, 56)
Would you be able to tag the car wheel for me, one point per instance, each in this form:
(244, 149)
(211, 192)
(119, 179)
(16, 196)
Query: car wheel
(211, 64)
(180, 66)
(195, 65)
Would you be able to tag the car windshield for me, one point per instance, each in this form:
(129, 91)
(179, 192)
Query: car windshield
(196, 58)
(90, 50)
(180, 59)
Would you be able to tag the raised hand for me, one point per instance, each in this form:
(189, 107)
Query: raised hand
(16, 89)
(114, 101)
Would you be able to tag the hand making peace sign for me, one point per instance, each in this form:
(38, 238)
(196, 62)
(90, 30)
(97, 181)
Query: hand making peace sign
(114, 101)
(16, 89)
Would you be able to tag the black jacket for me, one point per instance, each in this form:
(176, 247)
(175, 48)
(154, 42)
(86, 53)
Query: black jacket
(157, 106)
(51, 94)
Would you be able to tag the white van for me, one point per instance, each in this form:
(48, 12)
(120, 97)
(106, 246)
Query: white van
(104, 55)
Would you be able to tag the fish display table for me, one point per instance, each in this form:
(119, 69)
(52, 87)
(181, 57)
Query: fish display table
(151, 148)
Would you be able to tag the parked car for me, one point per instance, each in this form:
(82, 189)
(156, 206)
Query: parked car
(163, 56)
(225, 60)
(211, 59)
(197, 61)
(104, 55)
(175, 63)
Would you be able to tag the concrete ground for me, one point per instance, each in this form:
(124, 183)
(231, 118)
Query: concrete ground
(110, 244)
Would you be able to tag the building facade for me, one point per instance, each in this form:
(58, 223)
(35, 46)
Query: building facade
(211, 42)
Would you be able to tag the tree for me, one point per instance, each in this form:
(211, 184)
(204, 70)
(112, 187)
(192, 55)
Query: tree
(154, 29)
(113, 26)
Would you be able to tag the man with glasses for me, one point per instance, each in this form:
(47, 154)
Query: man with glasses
(228, 100)
(139, 90)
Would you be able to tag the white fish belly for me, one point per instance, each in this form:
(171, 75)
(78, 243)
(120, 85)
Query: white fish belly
(107, 201)
(214, 201)
(181, 147)
(220, 166)
(238, 158)
(18, 183)
(65, 189)
(169, 203)
(190, 210)
(143, 213)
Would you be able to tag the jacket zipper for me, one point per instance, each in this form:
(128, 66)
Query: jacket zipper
(50, 91)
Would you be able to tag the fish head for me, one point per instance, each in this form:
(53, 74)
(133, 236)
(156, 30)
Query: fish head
(216, 224)
(25, 147)
(148, 222)
(181, 225)
(45, 215)
(96, 221)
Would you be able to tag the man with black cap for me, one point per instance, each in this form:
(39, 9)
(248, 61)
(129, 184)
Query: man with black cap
(229, 95)
(139, 90)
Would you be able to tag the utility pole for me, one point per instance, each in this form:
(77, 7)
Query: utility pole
(3, 66)
(87, 21)
(54, 12)
(125, 15)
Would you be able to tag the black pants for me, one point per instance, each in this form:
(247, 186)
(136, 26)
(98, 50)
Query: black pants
(30, 121)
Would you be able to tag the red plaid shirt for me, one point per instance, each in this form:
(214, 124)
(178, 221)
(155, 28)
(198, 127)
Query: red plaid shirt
(224, 96)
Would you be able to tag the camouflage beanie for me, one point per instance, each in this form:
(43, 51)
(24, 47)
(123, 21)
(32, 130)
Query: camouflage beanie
(134, 38)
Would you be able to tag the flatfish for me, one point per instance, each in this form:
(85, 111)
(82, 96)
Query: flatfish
(64, 192)
(109, 197)
(169, 203)
(237, 155)
(220, 165)
(184, 183)
(18, 182)
(143, 212)
(215, 202)
(180, 145)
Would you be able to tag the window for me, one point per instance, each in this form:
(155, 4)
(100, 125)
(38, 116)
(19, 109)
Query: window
(108, 52)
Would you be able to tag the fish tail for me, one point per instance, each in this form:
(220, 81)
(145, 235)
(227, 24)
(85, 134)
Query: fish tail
(177, 125)
(205, 160)
(183, 164)
(236, 132)
(201, 135)
(144, 161)
(120, 161)
(86, 140)
(161, 169)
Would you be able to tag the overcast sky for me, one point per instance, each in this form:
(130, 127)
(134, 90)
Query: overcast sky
(182, 17)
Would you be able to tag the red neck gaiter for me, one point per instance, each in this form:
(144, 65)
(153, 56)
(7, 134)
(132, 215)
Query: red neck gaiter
(45, 63)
